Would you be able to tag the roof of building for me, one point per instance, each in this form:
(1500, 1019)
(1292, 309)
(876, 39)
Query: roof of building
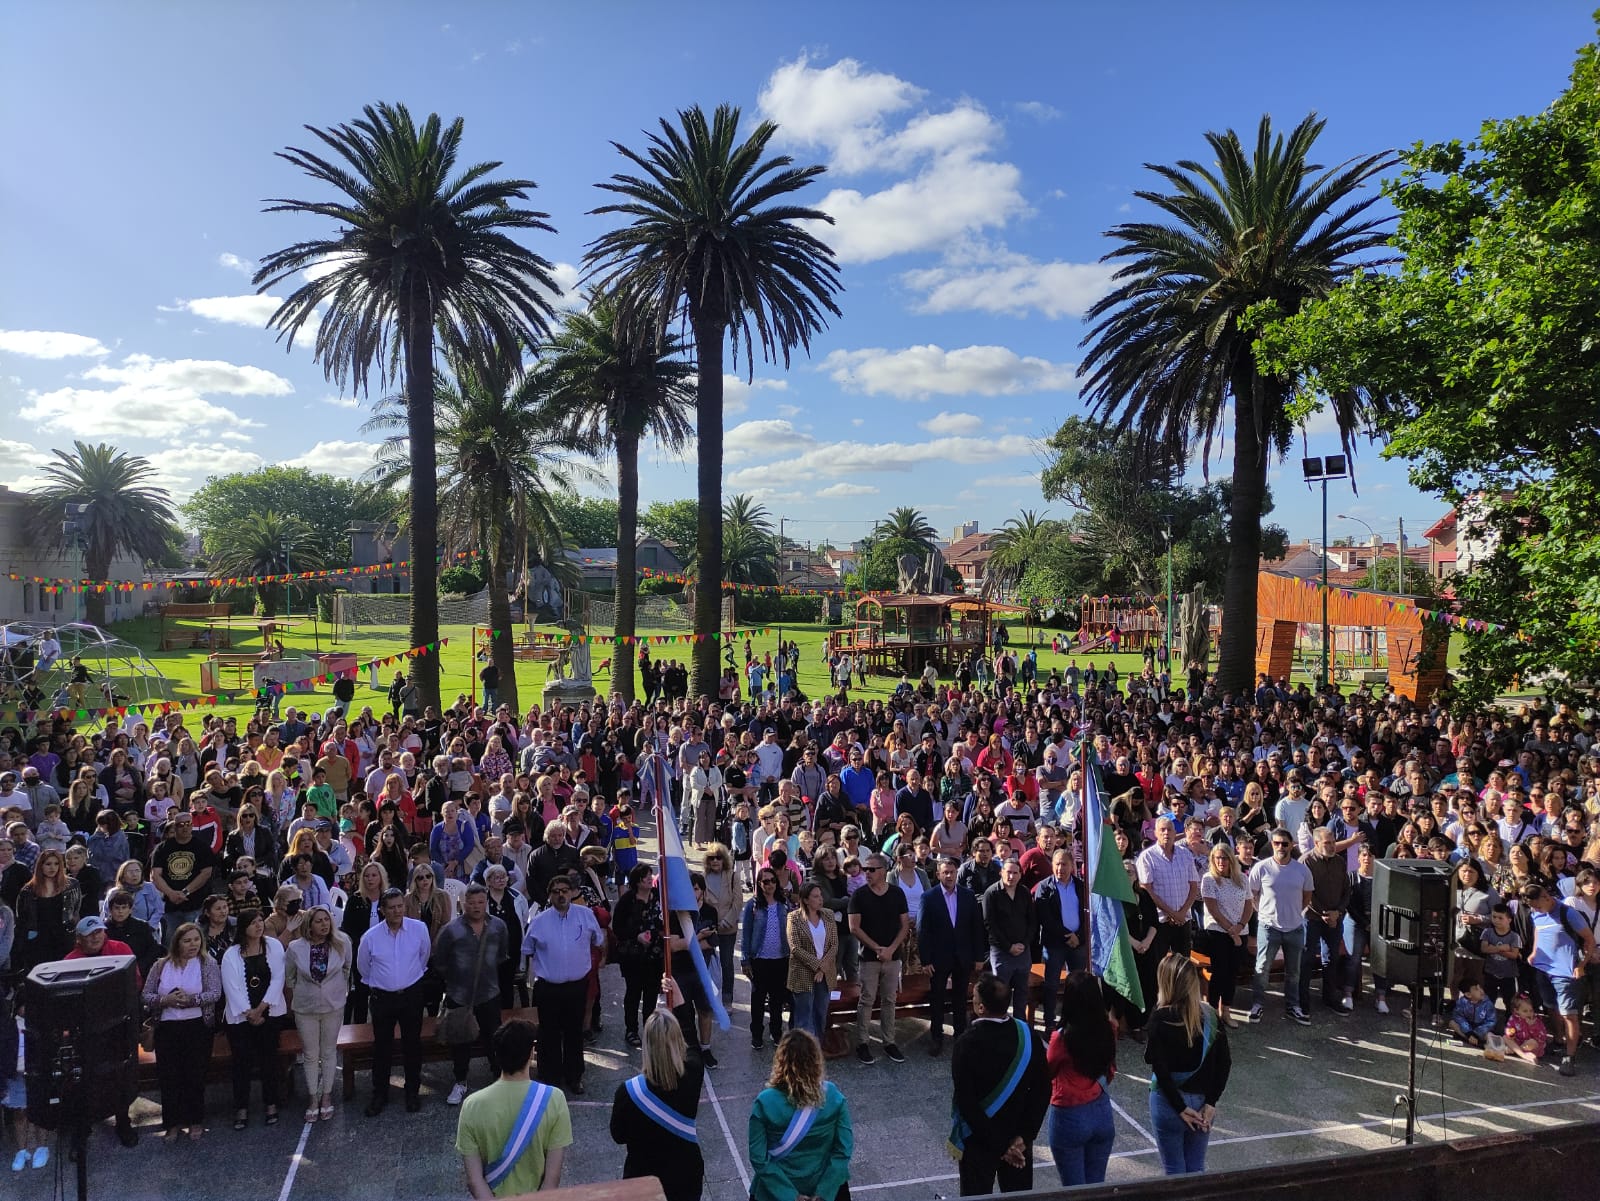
(971, 549)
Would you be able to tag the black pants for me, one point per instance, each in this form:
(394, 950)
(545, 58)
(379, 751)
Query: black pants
(1172, 940)
(641, 985)
(948, 985)
(1225, 961)
(255, 1052)
(391, 1009)
(981, 1167)
(183, 1053)
(357, 1000)
(769, 990)
(488, 1015)
(561, 1008)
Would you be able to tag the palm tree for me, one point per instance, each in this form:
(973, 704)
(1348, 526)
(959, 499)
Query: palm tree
(269, 543)
(749, 554)
(613, 390)
(744, 509)
(423, 253)
(1021, 542)
(126, 513)
(499, 462)
(907, 525)
(1253, 238)
(711, 239)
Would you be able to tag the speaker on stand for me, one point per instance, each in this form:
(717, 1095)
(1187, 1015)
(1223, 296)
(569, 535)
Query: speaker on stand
(1412, 904)
(82, 1058)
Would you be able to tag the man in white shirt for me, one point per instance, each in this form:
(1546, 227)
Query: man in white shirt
(391, 959)
(1167, 872)
(1283, 888)
(770, 756)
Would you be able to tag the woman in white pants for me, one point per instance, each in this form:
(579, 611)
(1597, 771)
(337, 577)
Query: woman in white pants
(318, 965)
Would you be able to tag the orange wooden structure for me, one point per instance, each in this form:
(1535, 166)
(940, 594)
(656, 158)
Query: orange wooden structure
(906, 632)
(1417, 650)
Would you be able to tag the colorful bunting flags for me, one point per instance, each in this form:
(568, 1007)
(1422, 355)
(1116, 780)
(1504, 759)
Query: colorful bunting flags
(149, 707)
(653, 639)
(57, 584)
(1469, 625)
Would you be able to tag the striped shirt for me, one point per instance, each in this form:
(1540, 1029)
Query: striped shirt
(1168, 880)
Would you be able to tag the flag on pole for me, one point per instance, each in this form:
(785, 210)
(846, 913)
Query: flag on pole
(1110, 948)
(678, 895)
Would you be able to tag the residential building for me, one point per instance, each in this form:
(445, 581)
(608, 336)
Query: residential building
(598, 564)
(1441, 540)
(965, 530)
(969, 556)
(25, 599)
(801, 567)
(375, 542)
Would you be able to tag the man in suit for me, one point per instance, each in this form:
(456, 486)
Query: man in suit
(998, 1146)
(951, 941)
(1059, 906)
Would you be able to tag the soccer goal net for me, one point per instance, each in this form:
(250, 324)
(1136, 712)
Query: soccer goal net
(654, 613)
(387, 616)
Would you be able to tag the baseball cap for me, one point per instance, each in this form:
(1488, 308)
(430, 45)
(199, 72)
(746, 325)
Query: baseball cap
(89, 925)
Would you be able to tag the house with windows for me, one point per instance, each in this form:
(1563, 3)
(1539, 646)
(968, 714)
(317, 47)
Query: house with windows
(23, 597)
(969, 556)
(373, 543)
(598, 564)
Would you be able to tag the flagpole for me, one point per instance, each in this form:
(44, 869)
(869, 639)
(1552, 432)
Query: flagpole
(1085, 922)
(661, 882)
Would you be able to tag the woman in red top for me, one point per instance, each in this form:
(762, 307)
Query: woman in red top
(1083, 1061)
(395, 793)
(994, 758)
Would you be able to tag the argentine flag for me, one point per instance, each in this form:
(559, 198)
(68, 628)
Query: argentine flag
(1110, 948)
(678, 896)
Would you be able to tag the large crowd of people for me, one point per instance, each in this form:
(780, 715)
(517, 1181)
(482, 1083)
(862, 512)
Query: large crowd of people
(407, 867)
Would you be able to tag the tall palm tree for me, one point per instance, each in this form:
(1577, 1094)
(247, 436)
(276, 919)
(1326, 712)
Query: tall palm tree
(1021, 542)
(1257, 235)
(499, 463)
(423, 253)
(268, 543)
(613, 390)
(712, 239)
(743, 509)
(907, 525)
(126, 513)
(749, 554)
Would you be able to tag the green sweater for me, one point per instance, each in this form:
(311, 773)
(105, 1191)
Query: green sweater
(327, 802)
(818, 1166)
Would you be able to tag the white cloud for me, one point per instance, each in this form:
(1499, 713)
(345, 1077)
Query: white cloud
(342, 402)
(789, 410)
(759, 439)
(337, 457)
(994, 280)
(20, 463)
(231, 310)
(918, 372)
(154, 398)
(835, 459)
(1017, 479)
(952, 188)
(234, 263)
(953, 423)
(1039, 110)
(737, 391)
(844, 489)
(49, 344)
(183, 469)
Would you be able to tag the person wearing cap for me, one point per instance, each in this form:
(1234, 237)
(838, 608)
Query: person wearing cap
(91, 941)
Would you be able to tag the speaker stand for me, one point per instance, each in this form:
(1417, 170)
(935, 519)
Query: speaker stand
(1410, 1098)
(79, 1143)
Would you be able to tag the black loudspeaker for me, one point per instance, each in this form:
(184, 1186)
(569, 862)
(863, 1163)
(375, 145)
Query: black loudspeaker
(1411, 920)
(82, 1059)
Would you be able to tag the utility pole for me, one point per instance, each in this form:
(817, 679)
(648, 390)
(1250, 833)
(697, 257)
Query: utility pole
(1323, 469)
(1170, 672)
(778, 667)
(1400, 558)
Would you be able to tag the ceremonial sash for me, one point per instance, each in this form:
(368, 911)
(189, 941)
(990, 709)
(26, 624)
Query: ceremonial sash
(658, 1111)
(799, 1126)
(522, 1132)
(1208, 1028)
(999, 1095)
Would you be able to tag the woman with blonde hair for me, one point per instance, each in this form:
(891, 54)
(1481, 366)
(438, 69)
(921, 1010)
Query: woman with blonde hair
(725, 893)
(317, 967)
(1189, 1064)
(800, 1139)
(434, 908)
(653, 1114)
(1228, 905)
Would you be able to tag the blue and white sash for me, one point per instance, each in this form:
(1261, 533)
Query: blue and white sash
(522, 1132)
(799, 1126)
(658, 1111)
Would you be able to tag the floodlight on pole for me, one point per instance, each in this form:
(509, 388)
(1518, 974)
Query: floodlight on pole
(1321, 470)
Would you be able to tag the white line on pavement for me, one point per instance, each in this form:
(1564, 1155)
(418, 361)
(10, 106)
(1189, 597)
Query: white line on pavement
(733, 1147)
(1128, 1118)
(294, 1162)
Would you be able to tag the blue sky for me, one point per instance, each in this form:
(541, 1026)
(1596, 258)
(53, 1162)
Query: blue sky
(976, 152)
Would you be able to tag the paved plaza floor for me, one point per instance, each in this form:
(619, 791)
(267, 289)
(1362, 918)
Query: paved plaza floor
(1296, 1093)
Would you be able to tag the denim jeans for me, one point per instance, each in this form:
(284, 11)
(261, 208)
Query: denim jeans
(811, 1008)
(1080, 1140)
(1181, 1148)
(1268, 943)
(1356, 941)
(1327, 943)
(1014, 970)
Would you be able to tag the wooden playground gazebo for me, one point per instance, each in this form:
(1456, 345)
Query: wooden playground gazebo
(907, 632)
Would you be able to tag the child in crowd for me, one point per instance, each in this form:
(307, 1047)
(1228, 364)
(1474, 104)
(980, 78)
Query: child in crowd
(242, 895)
(882, 805)
(53, 834)
(625, 835)
(32, 1151)
(159, 805)
(743, 832)
(1526, 1034)
(1501, 947)
(1473, 1018)
(854, 877)
(806, 852)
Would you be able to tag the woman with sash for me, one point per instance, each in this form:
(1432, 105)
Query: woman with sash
(512, 1135)
(800, 1137)
(1189, 1065)
(653, 1113)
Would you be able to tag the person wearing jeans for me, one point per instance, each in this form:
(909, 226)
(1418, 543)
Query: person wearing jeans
(1325, 921)
(1082, 1058)
(1189, 1065)
(813, 959)
(467, 954)
(1282, 888)
(766, 954)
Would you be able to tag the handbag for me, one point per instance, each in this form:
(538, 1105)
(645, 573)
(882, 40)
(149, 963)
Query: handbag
(458, 1025)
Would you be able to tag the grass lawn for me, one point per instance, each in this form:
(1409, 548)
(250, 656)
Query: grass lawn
(458, 674)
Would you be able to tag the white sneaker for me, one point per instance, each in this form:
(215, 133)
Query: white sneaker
(1383, 1005)
(1346, 1004)
(457, 1095)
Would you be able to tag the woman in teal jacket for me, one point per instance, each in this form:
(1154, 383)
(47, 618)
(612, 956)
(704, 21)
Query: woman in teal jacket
(800, 1134)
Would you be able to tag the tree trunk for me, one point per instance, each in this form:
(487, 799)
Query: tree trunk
(501, 645)
(424, 498)
(97, 566)
(627, 594)
(1236, 655)
(708, 334)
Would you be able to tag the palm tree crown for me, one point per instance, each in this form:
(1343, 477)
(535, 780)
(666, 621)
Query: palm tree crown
(127, 513)
(710, 238)
(743, 509)
(908, 525)
(1171, 350)
(424, 250)
(1021, 541)
(268, 543)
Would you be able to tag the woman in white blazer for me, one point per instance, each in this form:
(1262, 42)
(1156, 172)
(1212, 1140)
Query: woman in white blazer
(318, 964)
(253, 1009)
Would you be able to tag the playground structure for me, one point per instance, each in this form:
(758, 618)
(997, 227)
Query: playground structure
(906, 632)
(1140, 623)
(119, 673)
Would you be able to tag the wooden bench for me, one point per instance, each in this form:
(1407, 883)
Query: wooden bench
(355, 1045)
(220, 1066)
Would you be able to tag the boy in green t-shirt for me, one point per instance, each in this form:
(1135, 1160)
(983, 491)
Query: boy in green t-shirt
(488, 1118)
(322, 795)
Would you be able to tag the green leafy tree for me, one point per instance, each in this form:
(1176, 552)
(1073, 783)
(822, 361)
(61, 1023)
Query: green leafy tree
(1480, 354)
(325, 503)
(127, 513)
(618, 390)
(749, 556)
(584, 520)
(1023, 540)
(744, 509)
(267, 543)
(423, 257)
(877, 568)
(1262, 231)
(907, 525)
(673, 522)
(711, 237)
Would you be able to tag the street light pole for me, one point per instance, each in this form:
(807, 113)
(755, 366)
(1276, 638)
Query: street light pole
(779, 666)
(1323, 469)
(1169, 596)
(1400, 559)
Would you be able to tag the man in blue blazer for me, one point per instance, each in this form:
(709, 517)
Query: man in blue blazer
(1059, 905)
(951, 940)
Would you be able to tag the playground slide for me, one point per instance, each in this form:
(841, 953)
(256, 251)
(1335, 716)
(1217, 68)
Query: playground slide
(1100, 643)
